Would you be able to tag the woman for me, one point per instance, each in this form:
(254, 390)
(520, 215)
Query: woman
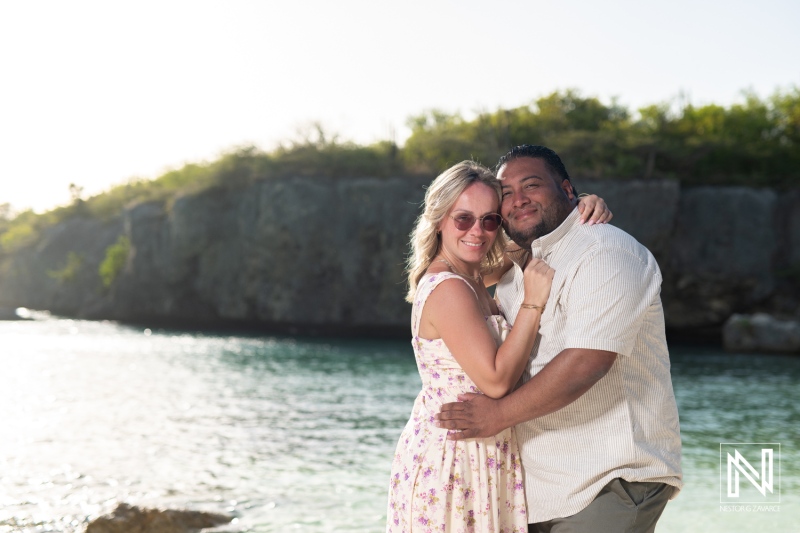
(462, 343)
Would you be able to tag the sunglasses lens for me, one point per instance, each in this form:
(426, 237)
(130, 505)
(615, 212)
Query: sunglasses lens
(492, 222)
(488, 223)
(464, 222)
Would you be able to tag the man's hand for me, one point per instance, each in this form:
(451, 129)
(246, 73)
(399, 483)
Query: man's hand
(473, 416)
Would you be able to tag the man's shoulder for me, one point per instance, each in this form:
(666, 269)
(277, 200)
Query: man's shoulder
(586, 242)
(606, 237)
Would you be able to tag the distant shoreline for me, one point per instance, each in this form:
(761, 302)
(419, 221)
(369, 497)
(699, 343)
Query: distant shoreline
(710, 336)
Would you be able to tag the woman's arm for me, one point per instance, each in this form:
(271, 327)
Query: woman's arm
(453, 312)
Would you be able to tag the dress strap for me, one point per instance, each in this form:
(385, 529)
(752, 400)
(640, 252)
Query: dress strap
(427, 283)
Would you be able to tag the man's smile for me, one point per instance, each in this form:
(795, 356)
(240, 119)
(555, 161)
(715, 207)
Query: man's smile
(523, 213)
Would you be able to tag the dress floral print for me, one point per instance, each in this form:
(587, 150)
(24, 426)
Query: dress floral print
(438, 485)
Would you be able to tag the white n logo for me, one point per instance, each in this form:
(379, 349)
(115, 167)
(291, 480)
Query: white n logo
(737, 464)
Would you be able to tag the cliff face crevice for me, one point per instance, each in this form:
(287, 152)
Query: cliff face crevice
(308, 254)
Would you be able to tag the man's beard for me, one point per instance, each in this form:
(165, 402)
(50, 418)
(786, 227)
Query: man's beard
(552, 217)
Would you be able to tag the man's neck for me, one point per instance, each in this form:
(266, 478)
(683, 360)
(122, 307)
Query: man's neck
(544, 243)
(521, 253)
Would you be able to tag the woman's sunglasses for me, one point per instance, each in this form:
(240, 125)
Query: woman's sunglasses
(489, 222)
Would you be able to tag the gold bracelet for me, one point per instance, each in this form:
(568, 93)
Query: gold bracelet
(532, 306)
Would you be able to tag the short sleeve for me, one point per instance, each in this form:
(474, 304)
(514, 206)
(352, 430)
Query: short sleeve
(610, 293)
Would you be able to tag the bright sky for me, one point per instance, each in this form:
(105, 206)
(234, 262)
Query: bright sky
(98, 92)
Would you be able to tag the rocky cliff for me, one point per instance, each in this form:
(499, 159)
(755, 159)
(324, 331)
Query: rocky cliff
(314, 255)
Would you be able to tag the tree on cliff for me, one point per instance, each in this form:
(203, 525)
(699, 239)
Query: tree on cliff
(756, 142)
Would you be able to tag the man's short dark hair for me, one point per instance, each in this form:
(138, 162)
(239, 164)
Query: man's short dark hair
(533, 151)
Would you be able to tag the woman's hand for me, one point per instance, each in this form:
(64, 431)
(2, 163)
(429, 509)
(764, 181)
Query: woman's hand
(537, 279)
(594, 210)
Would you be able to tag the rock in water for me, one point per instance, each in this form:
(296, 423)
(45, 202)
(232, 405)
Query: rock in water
(761, 333)
(131, 519)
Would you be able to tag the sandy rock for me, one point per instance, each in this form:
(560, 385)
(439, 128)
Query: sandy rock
(130, 519)
(761, 333)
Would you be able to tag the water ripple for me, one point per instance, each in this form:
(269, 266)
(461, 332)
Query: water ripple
(286, 434)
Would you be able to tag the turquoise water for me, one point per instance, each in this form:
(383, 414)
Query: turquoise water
(297, 434)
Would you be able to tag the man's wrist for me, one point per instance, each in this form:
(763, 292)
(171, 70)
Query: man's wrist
(513, 408)
(502, 417)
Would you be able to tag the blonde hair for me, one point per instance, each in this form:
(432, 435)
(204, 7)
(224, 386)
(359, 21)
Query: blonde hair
(440, 197)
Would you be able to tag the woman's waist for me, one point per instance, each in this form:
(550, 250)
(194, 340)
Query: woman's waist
(432, 397)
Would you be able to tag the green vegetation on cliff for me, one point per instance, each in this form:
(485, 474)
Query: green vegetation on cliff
(71, 269)
(114, 261)
(755, 143)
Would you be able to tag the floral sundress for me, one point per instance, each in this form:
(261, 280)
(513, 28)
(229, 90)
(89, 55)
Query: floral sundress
(440, 485)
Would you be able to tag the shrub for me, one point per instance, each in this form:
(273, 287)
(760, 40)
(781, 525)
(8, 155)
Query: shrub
(17, 236)
(114, 261)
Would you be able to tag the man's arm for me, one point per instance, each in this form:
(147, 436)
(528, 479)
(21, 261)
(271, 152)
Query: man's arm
(609, 295)
(562, 381)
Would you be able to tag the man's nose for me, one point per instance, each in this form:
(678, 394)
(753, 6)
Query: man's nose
(518, 198)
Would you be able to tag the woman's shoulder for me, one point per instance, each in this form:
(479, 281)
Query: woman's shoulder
(452, 286)
(433, 278)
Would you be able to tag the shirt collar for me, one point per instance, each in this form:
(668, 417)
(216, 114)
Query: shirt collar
(542, 246)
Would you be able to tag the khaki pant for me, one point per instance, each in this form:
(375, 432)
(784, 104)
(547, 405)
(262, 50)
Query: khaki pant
(621, 507)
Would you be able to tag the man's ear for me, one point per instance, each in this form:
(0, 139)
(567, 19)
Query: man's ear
(566, 186)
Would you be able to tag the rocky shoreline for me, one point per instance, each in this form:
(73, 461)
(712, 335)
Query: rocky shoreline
(127, 519)
(761, 333)
(325, 256)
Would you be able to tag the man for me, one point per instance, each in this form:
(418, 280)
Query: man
(596, 417)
